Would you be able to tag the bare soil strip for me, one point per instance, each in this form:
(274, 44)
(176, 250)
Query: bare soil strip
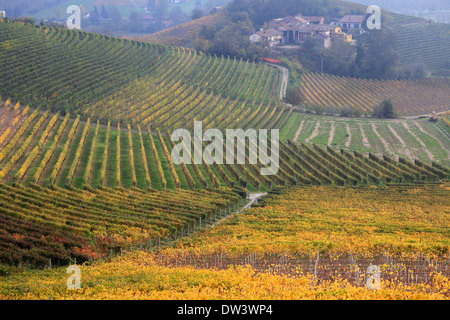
(385, 144)
(405, 147)
(299, 130)
(365, 141)
(314, 133)
(253, 197)
(332, 130)
(433, 137)
(429, 154)
(349, 137)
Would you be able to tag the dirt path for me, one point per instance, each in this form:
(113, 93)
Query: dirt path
(299, 130)
(385, 144)
(314, 133)
(423, 115)
(365, 141)
(402, 142)
(429, 154)
(349, 133)
(284, 79)
(253, 197)
(332, 131)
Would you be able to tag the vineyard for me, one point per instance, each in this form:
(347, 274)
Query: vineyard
(405, 220)
(438, 10)
(445, 119)
(298, 243)
(329, 93)
(55, 226)
(397, 138)
(51, 150)
(425, 43)
(183, 34)
(105, 78)
(87, 175)
(196, 87)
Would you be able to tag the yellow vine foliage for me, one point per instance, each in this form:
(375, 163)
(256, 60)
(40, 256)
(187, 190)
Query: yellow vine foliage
(138, 276)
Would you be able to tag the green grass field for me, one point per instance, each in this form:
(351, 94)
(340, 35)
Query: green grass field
(410, 138)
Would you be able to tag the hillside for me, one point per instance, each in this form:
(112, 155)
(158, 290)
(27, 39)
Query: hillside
(89, 177)
(312, 243)
(185, 33)
(410, 139)
(438, 10)
(48, 150)
(425, 43)
(43, 227)
(92, 126)
(113, 79)
(409, 97)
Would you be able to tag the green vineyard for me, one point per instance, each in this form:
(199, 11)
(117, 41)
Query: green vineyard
(410, 97)
(129, 81)
(427, 44)
(52, 150)
(86, 120)
(438, 10)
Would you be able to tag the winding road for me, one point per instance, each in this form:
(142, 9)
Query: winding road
(253, 197)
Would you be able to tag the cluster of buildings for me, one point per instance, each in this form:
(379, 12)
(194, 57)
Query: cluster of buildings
(295, 29)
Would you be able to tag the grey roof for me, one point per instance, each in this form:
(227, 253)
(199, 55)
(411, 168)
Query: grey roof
(313, 18)
(269, 33)
(352, 19)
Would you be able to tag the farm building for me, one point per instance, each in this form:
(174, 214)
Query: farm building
(268, 38)
(350, 22)
(315, 20)
(295, 29)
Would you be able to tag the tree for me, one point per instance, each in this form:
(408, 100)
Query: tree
(311, 44)
(82, 11)
(136, 23)
(294, 95)
(104, 13)
(114, 14)
(196, 14)
(94, 17)
(59, 14)
(233, 39)
(177, 15)
(339, 59)
(376, 55)
(384, 110)
(414, 70)
(207, 32)
(158, 8)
